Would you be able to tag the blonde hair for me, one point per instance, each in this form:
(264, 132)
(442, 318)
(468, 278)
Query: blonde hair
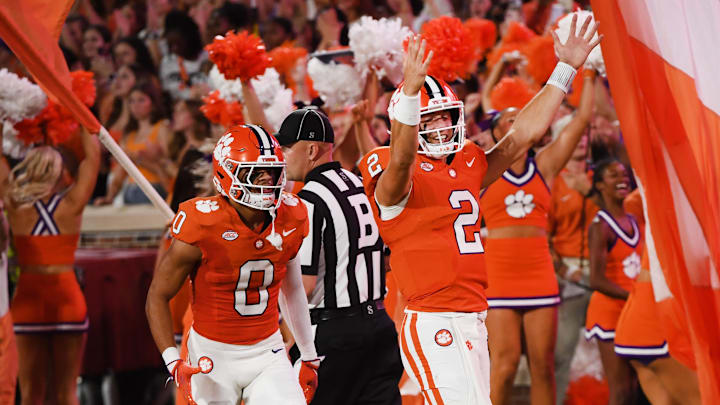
(36, 176)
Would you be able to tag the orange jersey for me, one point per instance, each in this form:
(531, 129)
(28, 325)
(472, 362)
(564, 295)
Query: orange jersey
(514, 199)
(436, 252)
(569, 224)
(622, 264)
(235, 288)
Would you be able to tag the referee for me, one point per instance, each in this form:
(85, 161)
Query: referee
(343, 271)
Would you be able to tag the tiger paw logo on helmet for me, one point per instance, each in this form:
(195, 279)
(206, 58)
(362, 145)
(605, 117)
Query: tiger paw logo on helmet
(222, 148)
(631, 265)
(206, 206)
(519, 205)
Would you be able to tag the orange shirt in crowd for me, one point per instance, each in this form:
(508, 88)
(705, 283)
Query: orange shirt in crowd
(570, 218)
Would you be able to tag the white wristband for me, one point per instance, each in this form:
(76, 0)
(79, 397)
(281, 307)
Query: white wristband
(562, 77)
(405, 109)
(170, 356)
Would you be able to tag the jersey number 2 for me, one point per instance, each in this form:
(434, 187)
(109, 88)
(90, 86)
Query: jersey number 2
(466, 219)
(251, 294)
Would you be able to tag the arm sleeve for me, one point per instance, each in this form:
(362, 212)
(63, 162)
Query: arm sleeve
(294, 306)
(311, 248)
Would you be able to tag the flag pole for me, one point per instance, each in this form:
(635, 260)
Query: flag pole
(133, 172)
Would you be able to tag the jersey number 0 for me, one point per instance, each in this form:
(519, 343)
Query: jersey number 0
(251, 294)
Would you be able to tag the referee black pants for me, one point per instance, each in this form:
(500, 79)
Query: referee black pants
(362, 362)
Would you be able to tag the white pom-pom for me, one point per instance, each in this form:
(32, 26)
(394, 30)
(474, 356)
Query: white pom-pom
(339, 85)
(19, 97)
(378, 45)
(230, 90)
(12, 146)
(276, 99)
(595, 59)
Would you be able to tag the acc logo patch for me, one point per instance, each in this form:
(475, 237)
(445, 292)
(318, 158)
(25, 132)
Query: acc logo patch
(453, 173)
(426, 166)
(229, 235)
(259, 244)
(443, 337)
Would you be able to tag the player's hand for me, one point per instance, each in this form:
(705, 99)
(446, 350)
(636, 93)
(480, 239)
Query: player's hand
(183, 372)
(416, 65)
(576, 49)
(309, 378)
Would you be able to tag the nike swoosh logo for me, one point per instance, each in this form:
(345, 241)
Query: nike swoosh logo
(470, 163)
(276, 350)
(286, 233)
(565, 198)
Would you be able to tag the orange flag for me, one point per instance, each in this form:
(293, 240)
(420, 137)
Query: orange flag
(662, 60)
(31, 29)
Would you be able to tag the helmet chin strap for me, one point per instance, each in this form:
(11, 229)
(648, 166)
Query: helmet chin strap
(274, 238)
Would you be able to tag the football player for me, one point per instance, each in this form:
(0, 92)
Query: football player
(238, 247)
(425, 187)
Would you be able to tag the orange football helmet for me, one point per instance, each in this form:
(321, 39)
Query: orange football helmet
(249, 147)
(436, 95)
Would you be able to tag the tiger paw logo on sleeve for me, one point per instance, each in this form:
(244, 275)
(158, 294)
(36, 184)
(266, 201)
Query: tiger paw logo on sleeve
(519, 204)
(206, 206)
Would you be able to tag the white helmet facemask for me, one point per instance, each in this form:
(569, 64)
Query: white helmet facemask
(243, 191)
(447, 144)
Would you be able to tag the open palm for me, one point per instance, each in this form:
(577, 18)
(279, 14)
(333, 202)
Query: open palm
(576, 49)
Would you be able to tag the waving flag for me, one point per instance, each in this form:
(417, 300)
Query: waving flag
(662, 58)
(31, 29)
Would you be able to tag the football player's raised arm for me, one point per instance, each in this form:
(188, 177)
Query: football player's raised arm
(535, 118)
(294, 307)
(394, 183)
(180, 259)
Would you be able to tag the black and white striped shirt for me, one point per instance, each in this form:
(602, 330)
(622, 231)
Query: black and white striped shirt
(343, 247)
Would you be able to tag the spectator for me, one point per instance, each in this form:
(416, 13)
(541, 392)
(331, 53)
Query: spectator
(132, 50)
(183, 69)
(191, 129)
(96, 54)
(145, 142)
(229, 16)
(278, 31)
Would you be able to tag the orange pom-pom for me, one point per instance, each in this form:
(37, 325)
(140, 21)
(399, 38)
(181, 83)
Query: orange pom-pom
(587, 390)
(540, 53)
(511, 92)
(239, 56)
(483, 33)
(30, 130)
(452, 48)
(219, 111)
(518, 32)
(61, 125)
(53, 126)
(284, 58)
(83, 85)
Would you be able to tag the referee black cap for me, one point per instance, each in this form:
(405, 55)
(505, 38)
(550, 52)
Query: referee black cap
(305, 124)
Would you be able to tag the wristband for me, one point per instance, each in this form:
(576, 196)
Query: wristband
(170, 356)
(562, 76)
(405, 109)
